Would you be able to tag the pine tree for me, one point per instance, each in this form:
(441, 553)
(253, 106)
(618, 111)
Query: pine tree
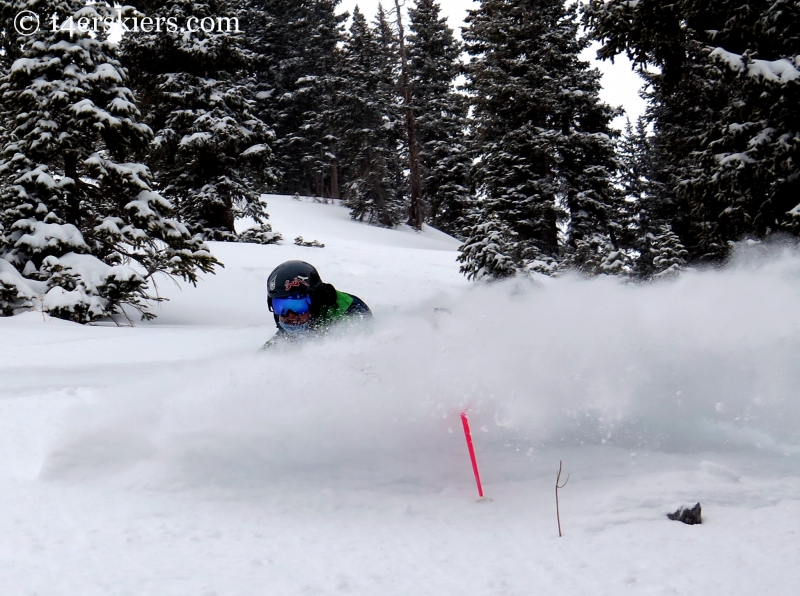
(645, 213)
(389, 99)
(211, 153)
(417, 207)
(542, 136)
(488, 252)
(81, 227)
(434, 55)
(748, 177)
(634, 159)
(368, 118)
(723, 84)
(296, 74)
(669, 255)
(320, 88)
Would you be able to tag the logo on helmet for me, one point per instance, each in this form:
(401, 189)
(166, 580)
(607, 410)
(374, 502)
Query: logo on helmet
(297, 282)
(272, 284)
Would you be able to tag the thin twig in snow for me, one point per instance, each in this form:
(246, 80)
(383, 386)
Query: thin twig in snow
(558, 479)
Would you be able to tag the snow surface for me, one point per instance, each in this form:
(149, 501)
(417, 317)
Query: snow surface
(173, 458)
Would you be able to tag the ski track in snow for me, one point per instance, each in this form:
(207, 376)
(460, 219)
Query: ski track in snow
(172, 458)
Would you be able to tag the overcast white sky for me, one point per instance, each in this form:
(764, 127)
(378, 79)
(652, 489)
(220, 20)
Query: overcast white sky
(620, 83)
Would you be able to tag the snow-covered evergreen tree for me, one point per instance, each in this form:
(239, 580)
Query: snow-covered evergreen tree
(211, 153)
(597, 254)
(542, 138)
(645, 212)
(723, 79)
(319, 89)
(668, 254)
(368, 117)
(615, 261)
(488, 252)
(749, 175)
(654, 34)
(389, 98)
(296, 75)
(434, 57)
(82, 231)
(634, 160)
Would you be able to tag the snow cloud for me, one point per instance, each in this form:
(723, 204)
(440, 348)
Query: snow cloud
(707, 361)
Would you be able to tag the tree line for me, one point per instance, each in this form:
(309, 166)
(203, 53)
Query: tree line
(713, 161)
(138, 153)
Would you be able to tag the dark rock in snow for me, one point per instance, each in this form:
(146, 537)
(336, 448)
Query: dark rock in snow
(686, 515)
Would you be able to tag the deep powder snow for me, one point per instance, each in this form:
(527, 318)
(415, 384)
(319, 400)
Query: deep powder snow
(173, 458)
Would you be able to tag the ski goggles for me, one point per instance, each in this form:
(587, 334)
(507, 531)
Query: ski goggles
(298, 304)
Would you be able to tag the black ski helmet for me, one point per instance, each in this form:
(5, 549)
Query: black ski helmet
(292, 277)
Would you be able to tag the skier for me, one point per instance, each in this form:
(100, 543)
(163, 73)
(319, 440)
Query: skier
(303, 304)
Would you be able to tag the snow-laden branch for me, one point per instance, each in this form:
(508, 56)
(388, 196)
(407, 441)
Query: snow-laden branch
(776, 71)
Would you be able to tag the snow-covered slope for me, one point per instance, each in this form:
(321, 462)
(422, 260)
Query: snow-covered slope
(173, 458)
(388, 268)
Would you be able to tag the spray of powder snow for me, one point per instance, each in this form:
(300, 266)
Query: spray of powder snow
(704, 362)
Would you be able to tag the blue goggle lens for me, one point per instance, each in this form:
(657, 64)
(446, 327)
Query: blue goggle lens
(299, 305)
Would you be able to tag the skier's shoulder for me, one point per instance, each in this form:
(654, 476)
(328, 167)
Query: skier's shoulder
(357, 306)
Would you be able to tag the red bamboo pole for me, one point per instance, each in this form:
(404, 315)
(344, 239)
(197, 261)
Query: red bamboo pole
(468, 436)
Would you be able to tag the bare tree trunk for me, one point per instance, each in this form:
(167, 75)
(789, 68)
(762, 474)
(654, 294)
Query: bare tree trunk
(334, 177)
(319, 185)
(73, 195)
(416, 210)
